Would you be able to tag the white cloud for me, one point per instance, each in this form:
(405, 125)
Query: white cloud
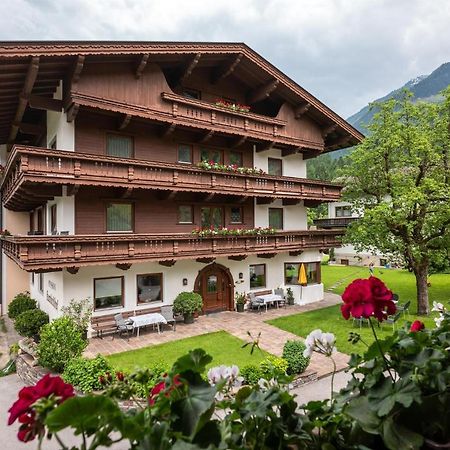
(345, 52)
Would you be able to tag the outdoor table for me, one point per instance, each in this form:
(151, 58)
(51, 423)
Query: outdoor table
(147, 319)
(269, 298)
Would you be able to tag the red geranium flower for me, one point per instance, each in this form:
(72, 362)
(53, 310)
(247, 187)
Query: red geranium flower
(417, 325)
(22, 409)
(161, 386)
(366, 298)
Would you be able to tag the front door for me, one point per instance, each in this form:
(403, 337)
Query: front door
(215, 287)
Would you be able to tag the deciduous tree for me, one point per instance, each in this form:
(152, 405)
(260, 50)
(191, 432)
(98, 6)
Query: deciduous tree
(398, 177)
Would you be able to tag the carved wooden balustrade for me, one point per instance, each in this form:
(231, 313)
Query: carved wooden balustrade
(30, 165)
(246, 122)
(47, 253)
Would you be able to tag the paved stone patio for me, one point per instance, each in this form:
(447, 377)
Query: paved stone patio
(272, 339)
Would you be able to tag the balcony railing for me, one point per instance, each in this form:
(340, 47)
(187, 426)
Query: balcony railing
(336, 222)
(30, 165)
(47, 253)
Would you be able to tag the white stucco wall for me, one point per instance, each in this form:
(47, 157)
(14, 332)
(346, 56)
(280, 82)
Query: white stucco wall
(65, 213)
(81, 285)
(53, 286)
(57, 126)
(293, 165)
(294, 216)
(332, 209)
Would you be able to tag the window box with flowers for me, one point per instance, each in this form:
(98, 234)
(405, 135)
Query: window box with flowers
(211, 165)
(212, 232)
(233, 106)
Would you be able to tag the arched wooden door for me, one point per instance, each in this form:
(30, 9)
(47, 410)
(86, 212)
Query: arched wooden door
(215, 284)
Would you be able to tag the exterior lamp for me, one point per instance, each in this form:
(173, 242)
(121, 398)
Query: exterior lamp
(185, 281)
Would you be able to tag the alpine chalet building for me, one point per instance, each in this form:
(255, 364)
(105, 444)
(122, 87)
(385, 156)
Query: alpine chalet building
(133, 171)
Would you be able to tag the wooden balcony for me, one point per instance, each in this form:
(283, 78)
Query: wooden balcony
(178, 111)
(52, 253)
(336, 222)
(35, 175)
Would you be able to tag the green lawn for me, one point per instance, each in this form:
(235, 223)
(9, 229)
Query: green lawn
(223, 347)
(330, 319)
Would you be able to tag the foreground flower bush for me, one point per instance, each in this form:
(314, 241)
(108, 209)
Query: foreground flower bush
(404, 407)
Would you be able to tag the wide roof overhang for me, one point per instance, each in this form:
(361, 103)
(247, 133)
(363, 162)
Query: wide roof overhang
(32, 70)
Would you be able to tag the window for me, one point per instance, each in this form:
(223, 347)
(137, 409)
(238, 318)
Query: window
(236, 214)
(207, 154)
(276, 218)
(275, 166)
(108, 292)
(343, 211)
(185, 154)
(53, 144)
(41, 282)
(291, 272)
(257, 276)
(32, 277)
(212, 217)
(211, 284)
(118, 145)
(119, 217)
(191, 93)
(53, 220)
(236, 158)
(149, 287)
(185, 214)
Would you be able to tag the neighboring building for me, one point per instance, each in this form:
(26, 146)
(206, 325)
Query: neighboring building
(340, 215)
(102, 191)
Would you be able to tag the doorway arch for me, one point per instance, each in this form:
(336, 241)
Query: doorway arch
(216, 286)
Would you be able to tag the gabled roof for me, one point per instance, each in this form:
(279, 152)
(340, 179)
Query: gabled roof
(56, 59)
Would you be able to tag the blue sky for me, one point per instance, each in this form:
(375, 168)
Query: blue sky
(345, 52)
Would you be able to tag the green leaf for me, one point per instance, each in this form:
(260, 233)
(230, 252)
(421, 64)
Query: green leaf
(83, 414)
(397, 437)
(194, 410)
(383, 398)
(359, 410)
(195, 361)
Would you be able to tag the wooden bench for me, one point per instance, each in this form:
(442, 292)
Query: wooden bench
(106, 324)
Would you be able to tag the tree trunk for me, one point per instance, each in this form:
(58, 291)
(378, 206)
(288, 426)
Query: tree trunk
(421, 273)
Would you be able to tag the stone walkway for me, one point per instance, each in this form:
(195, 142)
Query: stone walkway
(272, 338)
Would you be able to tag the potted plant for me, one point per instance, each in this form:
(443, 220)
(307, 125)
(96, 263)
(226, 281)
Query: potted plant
(289, 296)
(240, 300)
(188, 303)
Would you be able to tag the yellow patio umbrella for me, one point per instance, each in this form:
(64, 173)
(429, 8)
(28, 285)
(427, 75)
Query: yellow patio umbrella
(302, 280)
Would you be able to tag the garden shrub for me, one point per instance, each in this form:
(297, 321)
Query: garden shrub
(273, 367)
(61, 341)
(30, 322)
(187, 303)
(21, 302)
(84, 373)
(293, 354)
(251, 373)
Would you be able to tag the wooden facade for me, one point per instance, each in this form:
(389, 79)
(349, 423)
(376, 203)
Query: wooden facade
(221, 99)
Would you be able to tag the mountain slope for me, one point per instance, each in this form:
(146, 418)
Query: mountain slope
(424, 87)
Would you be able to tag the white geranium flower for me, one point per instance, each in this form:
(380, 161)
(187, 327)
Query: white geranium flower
(438, 320)
(319, 342)
(439, 307)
